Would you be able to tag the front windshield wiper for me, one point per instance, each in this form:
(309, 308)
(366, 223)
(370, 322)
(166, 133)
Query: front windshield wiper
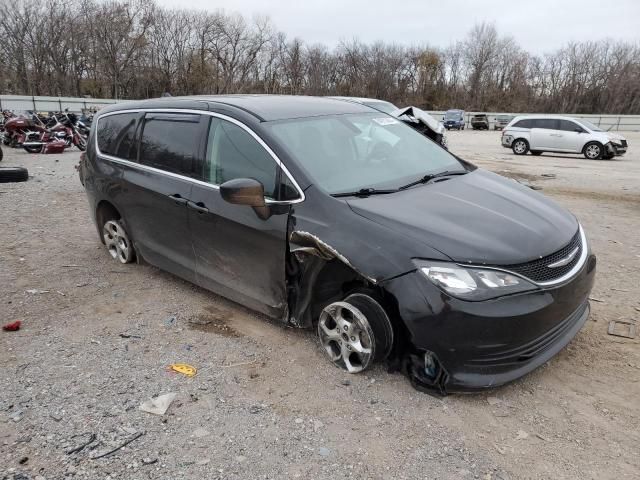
(363, 192)
(431, 176)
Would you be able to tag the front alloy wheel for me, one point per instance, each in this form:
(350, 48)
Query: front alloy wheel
(117, 241)
(593, 151)
(520, 147)
(356, 332)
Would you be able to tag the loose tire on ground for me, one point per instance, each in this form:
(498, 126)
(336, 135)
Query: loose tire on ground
(520, 146)
(13, 174)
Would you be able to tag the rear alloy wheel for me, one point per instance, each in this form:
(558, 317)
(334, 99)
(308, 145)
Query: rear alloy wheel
(356, 332)
(117, 241)
(593, 151)
(520, 146)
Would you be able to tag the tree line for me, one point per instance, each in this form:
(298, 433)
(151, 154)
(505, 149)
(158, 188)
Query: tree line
(138, 49)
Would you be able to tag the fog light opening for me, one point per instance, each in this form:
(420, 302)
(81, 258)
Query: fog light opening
(430, 365)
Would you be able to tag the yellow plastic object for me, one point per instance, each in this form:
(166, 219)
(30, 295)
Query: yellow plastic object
(183, 368)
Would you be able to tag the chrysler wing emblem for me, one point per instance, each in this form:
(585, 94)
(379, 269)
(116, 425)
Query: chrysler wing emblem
(564, 261)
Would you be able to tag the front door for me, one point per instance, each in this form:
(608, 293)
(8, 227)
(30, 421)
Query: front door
(238, 253)
(159, 186)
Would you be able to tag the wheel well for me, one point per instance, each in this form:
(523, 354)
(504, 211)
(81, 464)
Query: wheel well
(105, 211)
(334, 281)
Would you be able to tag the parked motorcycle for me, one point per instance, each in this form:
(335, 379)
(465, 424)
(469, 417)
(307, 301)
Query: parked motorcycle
(47, 138)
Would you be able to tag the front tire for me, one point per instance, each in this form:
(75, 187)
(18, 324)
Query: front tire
(593, 151)
(118, 241)
(355, 332)
(520, 146)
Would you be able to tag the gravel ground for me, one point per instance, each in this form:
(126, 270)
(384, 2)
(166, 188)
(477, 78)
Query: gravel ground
(97, 337)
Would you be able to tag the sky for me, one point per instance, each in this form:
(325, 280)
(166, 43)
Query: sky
(538, 25)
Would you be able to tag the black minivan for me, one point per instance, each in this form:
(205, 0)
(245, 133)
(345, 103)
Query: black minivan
(329, 214)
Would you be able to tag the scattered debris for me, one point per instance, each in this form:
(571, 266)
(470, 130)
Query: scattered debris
(81, 447)
(542, 437)
(629, 326)
(200, 433)
(493, 401)
(35, 291)
(619, 289)
(594, 299)
(128, 335)
(61, 293)
(55, 416)
(149, 461)
(71, 266)
(324, 452)
(184, 369)
(158, 405)
(23, 460)
(255, 409)
(12, 327)
(522, 435)
(238, 364)
(548, 175)
(299, 421)
(135, 437)
(170, 321)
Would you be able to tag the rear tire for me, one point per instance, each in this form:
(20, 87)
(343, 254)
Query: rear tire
(118, 241)
(13, 174)
(593, 151)
(520, 146)
(33, 149)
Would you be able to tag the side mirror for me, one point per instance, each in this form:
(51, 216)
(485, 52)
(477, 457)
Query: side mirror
(578, 130)
(243, 191)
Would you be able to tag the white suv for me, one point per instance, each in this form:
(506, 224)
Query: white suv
(538, 134)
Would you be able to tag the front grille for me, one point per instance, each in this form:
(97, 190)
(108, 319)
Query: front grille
(539, 271)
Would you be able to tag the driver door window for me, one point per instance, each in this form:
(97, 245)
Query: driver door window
(234, 153)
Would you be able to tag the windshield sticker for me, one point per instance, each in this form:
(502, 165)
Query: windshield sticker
(385, 121)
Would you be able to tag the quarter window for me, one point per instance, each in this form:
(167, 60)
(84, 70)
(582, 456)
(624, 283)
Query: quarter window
(116, 135)
(524, 124)
(172, 142)
(234, 153)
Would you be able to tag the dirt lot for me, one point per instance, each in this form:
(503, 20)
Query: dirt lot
(97, 338)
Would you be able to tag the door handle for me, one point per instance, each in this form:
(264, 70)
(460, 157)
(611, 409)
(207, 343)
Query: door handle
(198, 207)
(177, 198)
(556, 134)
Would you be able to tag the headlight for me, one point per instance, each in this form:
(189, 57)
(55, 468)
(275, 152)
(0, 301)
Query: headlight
(471, 283)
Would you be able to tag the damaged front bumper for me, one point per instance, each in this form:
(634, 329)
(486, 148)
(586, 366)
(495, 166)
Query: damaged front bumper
(616, 149)
(462, 346)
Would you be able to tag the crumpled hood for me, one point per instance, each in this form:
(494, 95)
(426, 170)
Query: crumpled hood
(420, 116)
(614, 137)
(479, 217)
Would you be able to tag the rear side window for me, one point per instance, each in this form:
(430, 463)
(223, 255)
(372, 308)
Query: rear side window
(547, 123)
(173, 143)
(116, 135)
(232, 152)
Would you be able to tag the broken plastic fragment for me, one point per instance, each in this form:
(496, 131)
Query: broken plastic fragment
(158, 405)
